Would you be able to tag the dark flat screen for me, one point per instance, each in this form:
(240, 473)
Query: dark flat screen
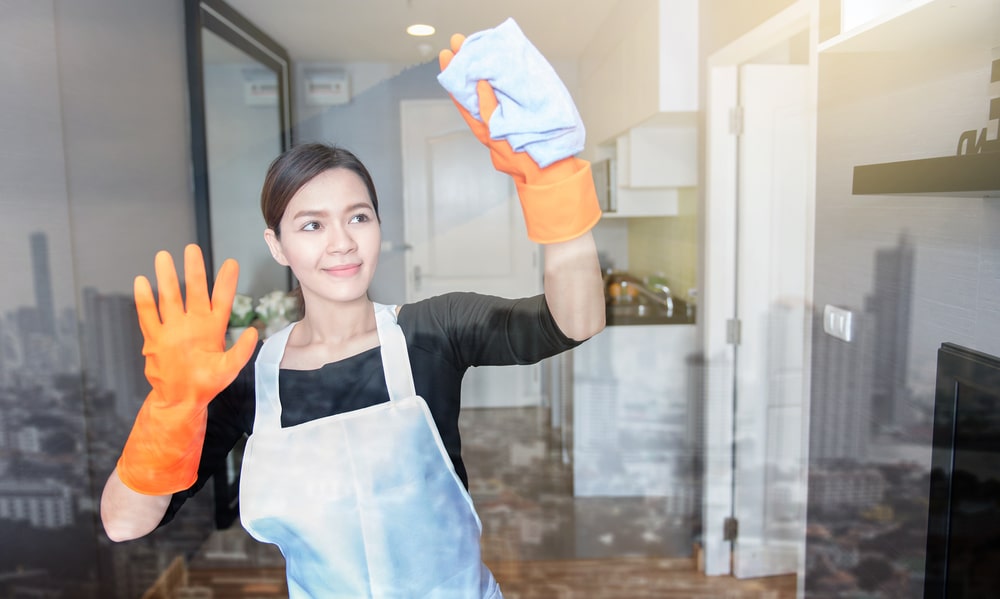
(963, 547)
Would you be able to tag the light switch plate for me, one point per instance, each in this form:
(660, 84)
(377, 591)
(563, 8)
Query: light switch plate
(837, 322)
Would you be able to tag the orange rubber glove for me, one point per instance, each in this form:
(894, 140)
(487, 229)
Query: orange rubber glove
(559, 201)
(187, 365)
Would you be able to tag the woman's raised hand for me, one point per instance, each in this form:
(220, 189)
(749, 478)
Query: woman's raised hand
(187, 365)
(559, 201)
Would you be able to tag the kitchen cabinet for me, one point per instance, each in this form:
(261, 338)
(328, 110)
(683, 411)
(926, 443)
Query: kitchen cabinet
(637, 413)
(641, 67)
(639, 98)
(658, 156)
(652, 165)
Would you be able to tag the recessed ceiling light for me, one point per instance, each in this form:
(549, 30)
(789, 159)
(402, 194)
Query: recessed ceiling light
(420, 30)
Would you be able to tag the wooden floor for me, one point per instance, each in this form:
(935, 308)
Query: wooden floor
(623, 578)
(629, 578)
(539, 540)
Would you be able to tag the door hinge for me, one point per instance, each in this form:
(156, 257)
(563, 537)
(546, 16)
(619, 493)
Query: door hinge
(733, 331)
(730, 529)
(736, 120)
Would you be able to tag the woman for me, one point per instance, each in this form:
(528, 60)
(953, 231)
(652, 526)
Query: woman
(353, 465)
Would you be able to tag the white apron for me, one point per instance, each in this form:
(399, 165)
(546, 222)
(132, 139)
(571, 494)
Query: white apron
(365, 503)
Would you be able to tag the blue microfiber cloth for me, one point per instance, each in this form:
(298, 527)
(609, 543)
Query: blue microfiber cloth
(535, 112)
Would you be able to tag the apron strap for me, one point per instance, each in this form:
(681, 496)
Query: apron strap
(395, 357)
(268, 412)
(395, 363)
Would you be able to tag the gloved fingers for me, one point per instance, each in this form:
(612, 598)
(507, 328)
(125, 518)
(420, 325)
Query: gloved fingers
(444, 58)
(145, 305)
(487, 100)
(505, 160)
(195, 281)
(502, 155)
(478, 128)
(171, 304)
(239, 354)
(456, 41)
(225, 289)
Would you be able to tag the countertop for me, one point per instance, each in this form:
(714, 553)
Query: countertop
(645, 314)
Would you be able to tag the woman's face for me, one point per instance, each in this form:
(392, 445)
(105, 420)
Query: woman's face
(330, 237)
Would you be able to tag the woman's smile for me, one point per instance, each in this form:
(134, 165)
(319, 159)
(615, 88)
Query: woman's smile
(343, 270)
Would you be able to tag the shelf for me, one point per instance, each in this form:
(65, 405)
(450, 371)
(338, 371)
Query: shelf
(970, 175)
(922, 25)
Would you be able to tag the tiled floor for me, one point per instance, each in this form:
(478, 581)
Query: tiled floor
(523, 492)
(538, 539)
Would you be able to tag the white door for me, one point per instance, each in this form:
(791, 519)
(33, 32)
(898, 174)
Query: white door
(756, 297)
(465, 232)
(768, 495)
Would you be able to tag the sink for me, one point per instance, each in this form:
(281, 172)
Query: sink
(631, 301)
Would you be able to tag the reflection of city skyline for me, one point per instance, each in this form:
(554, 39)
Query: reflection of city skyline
(860, 389)
(105, 342)
(71, 381)
(867, 499)
(42, 417)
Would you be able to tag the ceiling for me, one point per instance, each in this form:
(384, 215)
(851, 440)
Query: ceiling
(374, 30)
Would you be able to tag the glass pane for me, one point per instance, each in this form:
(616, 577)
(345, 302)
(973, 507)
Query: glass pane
(243, 136)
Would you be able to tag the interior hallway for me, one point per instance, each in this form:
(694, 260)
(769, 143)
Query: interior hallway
(540, 541)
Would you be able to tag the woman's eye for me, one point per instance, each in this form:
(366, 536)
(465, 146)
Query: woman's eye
(310, 226)
(359, 218)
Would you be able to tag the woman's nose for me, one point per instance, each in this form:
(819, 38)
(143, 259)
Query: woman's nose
(339, 240)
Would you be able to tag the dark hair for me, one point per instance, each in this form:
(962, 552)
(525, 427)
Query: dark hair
(301, 164)
(291, 170)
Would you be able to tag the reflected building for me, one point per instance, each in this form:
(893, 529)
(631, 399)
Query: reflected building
(42, 275)
(6, 352)
(856, 488)
(889, 307)
(112, 350)
(34, 343)
(860, 503)
(859, 388)
(842, 394)
(43, 504)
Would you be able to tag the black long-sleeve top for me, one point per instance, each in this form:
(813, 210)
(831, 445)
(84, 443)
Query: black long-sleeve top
(445, 335)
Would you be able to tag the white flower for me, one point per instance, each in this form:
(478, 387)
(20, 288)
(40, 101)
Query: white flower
(275, 306)
(242, 313)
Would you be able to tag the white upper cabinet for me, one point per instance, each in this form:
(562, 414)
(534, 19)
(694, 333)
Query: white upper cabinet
(658, 156)
(641, 65)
